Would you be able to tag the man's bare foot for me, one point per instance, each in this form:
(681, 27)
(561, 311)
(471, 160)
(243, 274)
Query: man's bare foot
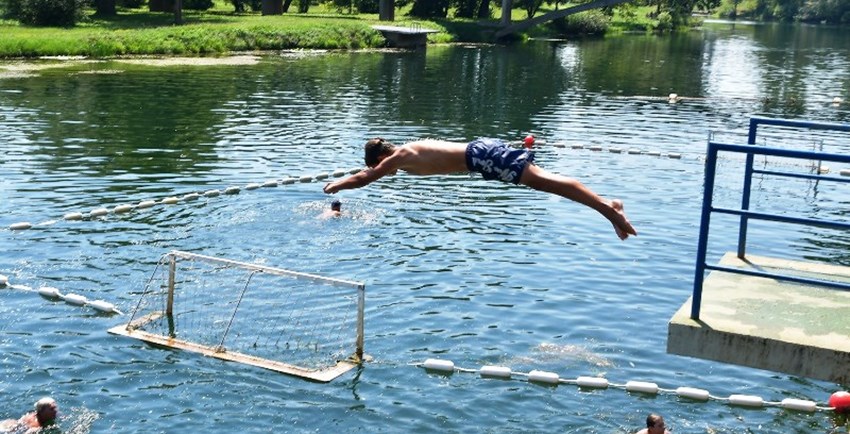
(620, 222)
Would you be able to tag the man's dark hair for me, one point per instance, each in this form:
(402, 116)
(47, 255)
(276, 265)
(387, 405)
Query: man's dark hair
(375, 148)
(652, 419)
(336, 205)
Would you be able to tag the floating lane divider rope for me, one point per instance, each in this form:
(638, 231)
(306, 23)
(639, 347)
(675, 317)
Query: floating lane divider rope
(173, 200)
(838, 402)
(52, 293)
(529, 142)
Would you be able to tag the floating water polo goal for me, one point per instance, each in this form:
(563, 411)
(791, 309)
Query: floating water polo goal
(295, 323)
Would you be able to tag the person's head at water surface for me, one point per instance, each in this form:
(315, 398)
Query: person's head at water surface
(336, 206)
(655, 424)
(46, 411)
(375, 149)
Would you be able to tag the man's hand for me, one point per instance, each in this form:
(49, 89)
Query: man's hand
(330, 188)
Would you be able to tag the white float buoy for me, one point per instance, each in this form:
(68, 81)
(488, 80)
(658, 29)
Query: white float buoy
(270, 183)
(3, 280)
(654, 153)
(74, 216)
(673, 98)
(634, 151)
(615, 150)
(594, 382)
(746, 400)
(287, 181)
(577, 146)
(75, 299)
(823, 170)
(122, 208)
(212, 193)
(191, 196)
(693, 393)
(595, 148)
(799, 404)
(338, 172)
(844, 172)
(146, 204)
(20, 226)
(543, 377)
(495, 371)
(321, 176)
(837, 100)
(103, 306)
(171, 200)
(305, 178)
(49, 292)
(642, 386)
(439, 365)
(675, 156)
(231, 190)
(252, 186)
(354, 170)
(98, 212)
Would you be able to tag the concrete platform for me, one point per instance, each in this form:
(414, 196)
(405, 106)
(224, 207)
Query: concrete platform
(405, 37)
(763, 323)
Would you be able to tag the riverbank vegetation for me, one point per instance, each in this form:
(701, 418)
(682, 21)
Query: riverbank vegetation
(103, 28)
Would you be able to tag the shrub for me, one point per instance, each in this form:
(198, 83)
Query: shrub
(664, 23)
(198, 5)
(593, 22)
(45, 12)
(131, 3)
(363, 6)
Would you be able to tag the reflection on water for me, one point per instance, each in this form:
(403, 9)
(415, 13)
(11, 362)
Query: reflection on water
(455, 267)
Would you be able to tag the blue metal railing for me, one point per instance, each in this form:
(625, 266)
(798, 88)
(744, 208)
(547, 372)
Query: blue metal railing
(745, 214)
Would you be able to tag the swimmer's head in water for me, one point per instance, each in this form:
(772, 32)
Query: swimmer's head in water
(336, 205)
(376, 148)
(45, 410)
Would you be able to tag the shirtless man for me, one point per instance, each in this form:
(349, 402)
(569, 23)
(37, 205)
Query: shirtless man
(491, 158)
(654, 425)
(335, 211)
(44, 415)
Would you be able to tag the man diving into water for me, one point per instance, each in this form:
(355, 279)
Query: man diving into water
(492, 158)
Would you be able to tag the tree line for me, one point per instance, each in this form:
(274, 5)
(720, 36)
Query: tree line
(68, 12)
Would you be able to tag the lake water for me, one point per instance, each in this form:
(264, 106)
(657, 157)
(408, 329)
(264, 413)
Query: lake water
(455, 267)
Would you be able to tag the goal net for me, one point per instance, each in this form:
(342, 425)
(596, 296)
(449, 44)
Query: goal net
(295, 323)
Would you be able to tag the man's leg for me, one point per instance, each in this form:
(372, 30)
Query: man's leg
(572, 189)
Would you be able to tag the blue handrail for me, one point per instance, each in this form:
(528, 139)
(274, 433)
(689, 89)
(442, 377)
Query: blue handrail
(745, 214)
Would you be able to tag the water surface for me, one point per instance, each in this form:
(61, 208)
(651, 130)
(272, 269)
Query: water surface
(457, 268)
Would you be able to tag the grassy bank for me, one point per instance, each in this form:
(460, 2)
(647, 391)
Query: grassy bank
(214, 32)
(203, 34)
(220, 31)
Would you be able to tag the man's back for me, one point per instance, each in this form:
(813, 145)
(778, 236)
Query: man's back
(431, 157)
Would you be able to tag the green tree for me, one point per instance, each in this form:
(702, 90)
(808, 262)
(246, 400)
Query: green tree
(64, 13)
(104, 8)
(428, 8)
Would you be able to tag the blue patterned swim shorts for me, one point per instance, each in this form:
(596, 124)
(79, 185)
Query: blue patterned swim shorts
(494, 159)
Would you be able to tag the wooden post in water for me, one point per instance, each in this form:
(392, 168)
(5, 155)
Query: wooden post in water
(172, 268)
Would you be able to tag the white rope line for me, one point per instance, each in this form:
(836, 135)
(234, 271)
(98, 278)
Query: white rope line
(173, 200)
(552, 378)
(52, 293)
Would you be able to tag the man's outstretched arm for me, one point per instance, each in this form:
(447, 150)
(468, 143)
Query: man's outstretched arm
(359, 179)
(387, 166)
